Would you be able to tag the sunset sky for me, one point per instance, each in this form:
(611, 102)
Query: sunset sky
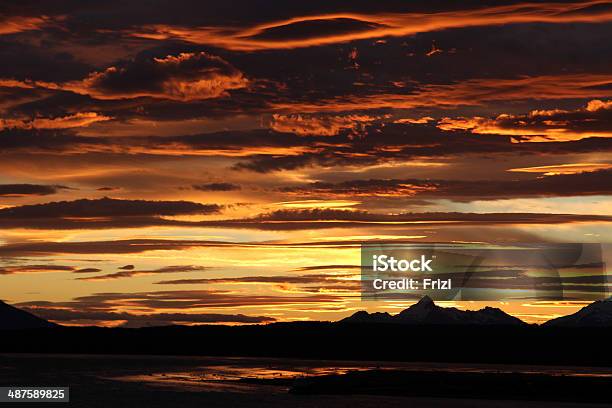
(221, 162)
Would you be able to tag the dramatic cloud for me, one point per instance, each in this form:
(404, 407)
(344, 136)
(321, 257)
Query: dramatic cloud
(320, 125)
(139, 246)
(470, 92)
(284, 220)
(360, 217)
(20, 190)
(397, 121)
(350, 25)
(587, 183)
(106, 207)
(76, 120)
(572, 168)
(542, 125)
(184, 77)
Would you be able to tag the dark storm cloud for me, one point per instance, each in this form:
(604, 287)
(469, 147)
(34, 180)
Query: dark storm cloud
(216, 187)
(580, 184)
(18, 190)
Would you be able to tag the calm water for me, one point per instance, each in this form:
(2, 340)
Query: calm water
(216, 372)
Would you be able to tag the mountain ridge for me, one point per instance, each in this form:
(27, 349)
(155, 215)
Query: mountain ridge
(425, 311)
(596, 314)
(12, 318)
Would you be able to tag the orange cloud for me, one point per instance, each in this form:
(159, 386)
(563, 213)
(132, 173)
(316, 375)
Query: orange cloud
(597, 105)
(472, 92)
(418, 121)
(80, 119)
(541, 125)
(556, 169)
(280, 34)
(320, 125)
(185, 77)
(17, 24)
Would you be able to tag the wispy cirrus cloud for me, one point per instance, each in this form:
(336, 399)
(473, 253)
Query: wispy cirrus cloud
(300, 279)
(331, 28)
(181, 299)
(134, 272)
(19, 269)
(570, 168)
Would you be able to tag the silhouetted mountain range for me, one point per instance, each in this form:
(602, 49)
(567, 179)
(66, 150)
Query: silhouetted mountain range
(427, 312)
(483, 336)
(12, 318)
(597, 314)
(424, 312)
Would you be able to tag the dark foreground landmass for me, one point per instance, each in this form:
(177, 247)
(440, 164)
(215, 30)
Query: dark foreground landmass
(97, 381)
(510, 386)
(159, 367)
(320, 340)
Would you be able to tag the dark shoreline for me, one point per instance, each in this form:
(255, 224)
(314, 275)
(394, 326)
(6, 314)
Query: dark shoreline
(152, 381)
(444, 384)
(332, 341)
